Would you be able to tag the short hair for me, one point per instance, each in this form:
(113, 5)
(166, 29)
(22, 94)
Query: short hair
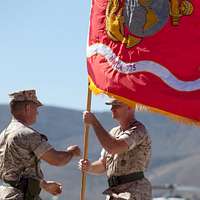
(16, 106)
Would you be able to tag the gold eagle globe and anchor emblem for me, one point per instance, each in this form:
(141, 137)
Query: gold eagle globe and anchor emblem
(142, 18)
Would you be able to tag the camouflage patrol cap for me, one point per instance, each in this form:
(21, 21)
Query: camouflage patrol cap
(25, 95)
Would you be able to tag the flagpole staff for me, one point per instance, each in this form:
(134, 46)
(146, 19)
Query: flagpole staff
(85, 155)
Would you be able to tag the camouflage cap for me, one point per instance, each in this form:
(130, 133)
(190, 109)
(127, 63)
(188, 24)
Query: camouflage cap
(25, 95)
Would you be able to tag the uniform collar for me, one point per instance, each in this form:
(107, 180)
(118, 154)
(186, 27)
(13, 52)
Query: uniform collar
(131, 124)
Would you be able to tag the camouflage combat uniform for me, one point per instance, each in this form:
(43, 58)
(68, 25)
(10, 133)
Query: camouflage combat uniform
(20, 147)
(135, 159)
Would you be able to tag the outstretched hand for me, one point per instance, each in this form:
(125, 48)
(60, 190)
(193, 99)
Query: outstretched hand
(74, 150)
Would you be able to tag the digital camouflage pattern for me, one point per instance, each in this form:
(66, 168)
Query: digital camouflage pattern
(25, 95)
(20, 150)
(136, 190)
(10, 193)
(136, 159)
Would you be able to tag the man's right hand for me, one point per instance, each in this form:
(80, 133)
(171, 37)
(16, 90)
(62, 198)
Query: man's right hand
(74, 150)
(60, 158)
(89, 118)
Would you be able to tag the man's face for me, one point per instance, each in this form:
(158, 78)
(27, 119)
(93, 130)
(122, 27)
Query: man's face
(119, 111)
(31, 113)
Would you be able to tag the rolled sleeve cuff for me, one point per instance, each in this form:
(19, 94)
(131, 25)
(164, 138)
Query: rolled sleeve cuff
(42, 149)
(129, 140)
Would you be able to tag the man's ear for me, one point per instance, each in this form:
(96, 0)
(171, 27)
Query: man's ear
(132, 107)
(27, 108)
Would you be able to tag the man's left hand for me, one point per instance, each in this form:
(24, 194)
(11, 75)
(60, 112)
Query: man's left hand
(51, 187)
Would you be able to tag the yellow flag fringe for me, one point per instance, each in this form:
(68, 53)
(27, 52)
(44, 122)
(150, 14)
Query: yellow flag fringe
(142, 107)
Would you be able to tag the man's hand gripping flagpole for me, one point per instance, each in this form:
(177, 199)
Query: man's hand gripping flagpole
(85, 143)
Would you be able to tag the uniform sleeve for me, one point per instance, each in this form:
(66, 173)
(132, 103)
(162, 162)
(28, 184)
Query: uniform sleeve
(134, 136)
(38, 144)
(112, 133)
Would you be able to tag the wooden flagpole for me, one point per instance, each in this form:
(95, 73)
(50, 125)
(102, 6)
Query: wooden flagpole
(85, 155)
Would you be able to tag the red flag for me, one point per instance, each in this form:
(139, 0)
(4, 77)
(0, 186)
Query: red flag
(147, 52)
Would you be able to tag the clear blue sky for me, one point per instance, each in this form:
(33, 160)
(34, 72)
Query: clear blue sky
(43, 46)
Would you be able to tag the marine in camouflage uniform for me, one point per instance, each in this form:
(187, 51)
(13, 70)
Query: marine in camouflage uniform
(135, 159)
(125, 167)
(22, 148)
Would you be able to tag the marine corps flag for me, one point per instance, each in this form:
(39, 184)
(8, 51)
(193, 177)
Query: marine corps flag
(147, 51)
